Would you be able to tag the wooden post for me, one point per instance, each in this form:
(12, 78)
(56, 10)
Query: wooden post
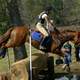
(50, 66)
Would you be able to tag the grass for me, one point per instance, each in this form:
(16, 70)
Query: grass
(4, 63)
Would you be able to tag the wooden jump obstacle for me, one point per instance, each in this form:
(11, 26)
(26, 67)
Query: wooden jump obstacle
(20, 69)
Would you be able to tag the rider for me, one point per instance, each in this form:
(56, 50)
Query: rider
(44, 23)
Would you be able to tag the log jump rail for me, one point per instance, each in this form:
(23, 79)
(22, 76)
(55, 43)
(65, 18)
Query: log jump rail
(20, 69)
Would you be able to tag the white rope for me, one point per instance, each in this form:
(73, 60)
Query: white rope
(30, 58)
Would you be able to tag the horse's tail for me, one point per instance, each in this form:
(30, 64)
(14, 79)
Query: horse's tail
(5, 36)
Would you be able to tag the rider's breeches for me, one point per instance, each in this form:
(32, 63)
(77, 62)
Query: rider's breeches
(40, 27)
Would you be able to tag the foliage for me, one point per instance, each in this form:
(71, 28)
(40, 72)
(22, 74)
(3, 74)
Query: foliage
(71, 10)
(66, 11)
(33, 8)
(3, 17)
(58, 4)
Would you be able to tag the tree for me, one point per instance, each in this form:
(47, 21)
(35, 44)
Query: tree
(3, 17)
(71, 11)
(15, 19)
(58, 14)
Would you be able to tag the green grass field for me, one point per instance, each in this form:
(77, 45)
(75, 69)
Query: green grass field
(4, 64)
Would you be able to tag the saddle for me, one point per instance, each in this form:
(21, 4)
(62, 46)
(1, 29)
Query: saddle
(38, 36)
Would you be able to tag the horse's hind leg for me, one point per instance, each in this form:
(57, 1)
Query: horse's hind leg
(9, 44)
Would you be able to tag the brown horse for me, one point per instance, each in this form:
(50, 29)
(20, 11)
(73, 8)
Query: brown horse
(18, 35)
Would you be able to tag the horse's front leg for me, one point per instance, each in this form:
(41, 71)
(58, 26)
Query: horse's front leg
(9, 44)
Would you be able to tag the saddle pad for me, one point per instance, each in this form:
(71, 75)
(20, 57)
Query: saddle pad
(36, 36)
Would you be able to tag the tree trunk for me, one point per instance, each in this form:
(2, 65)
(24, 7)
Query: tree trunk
(15, 19)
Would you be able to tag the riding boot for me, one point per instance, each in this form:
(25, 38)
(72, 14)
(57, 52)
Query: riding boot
(42, 45)
(45, 42)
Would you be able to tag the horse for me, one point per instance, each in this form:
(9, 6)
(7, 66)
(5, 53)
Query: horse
(18, 35)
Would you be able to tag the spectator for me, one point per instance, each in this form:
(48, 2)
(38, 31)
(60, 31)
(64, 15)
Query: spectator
(66, 49)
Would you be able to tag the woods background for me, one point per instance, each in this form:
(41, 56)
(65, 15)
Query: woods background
(67, 11)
